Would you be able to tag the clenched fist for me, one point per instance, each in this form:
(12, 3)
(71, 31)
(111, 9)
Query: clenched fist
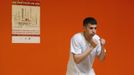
(102, 41)
(93, 42)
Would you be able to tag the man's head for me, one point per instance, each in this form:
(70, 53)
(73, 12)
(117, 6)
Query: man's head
(89, 25)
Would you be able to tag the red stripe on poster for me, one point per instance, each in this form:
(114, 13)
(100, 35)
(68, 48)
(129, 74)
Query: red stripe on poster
(26, 2)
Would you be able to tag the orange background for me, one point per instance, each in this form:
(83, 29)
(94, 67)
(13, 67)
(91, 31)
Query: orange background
(60, 19)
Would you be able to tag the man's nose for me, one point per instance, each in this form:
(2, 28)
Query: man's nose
(94, 30)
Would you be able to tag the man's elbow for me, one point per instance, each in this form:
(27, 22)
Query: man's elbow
(101, 58)
(76, 59)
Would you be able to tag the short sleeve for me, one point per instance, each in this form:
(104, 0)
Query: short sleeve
(75, 46)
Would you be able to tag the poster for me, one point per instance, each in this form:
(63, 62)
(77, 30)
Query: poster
(25, 21)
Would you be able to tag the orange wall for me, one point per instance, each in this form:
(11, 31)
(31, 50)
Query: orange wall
(60, 19)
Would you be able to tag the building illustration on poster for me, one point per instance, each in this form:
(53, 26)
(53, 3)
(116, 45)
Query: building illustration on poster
(25, 21)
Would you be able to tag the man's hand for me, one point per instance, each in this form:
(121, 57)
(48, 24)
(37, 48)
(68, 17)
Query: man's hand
(93, 43)
(103, 50)
(102, 41)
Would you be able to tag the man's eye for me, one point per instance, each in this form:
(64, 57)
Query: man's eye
(92, 28)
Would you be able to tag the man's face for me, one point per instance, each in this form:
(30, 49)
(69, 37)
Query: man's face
(90, 30)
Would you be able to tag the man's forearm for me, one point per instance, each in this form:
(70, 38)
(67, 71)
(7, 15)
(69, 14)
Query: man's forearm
(80, 57)
(102, 54)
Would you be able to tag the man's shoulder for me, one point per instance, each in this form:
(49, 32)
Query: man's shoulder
(77, 35)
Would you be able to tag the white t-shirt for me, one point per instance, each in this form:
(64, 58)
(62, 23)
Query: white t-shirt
(78, 46)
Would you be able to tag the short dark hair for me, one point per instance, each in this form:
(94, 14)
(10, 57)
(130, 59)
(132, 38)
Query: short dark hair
(89, 20)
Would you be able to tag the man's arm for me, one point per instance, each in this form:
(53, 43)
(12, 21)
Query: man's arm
(80, 57)
(103, 50)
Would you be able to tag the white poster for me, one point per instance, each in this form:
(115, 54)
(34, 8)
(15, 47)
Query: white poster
(25, 21)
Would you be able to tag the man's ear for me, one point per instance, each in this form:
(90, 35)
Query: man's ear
(84, 27)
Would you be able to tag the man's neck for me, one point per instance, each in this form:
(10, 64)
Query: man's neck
(88, 38)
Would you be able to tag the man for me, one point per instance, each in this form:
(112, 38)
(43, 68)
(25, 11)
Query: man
(85, 46)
